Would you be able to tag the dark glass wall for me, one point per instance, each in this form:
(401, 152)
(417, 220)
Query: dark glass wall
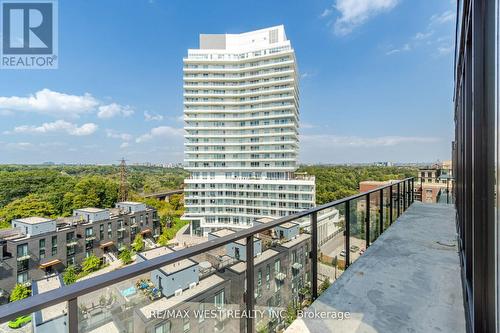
(475, 158)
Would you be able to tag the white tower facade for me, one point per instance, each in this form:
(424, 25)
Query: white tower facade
(241, 113)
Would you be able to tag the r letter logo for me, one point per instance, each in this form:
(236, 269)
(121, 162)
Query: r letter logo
(29, 34)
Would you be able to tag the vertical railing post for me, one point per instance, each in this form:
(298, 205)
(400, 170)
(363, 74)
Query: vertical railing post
(412, 190)
(408, 199)
(250, 299)
(390, 205)
(73, 315)
(447, 191)
(314, 254)
(367, 220)
(381, 213)
(347, 232)
(398, 197)
(404, 195)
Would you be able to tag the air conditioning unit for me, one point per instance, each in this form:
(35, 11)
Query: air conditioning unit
(178, 292)
(192, 285)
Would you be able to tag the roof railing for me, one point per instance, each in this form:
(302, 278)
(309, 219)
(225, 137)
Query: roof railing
(401, 197)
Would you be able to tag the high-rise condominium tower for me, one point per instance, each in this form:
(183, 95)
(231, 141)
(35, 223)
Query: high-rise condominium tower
(241, 112)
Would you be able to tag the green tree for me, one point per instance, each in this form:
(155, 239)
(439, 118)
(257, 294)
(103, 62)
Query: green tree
(324, 285)
(291, 314)
(70, 275)
(125, 256)
(92, 191)
(165, 237)
(31, 205)
(176, 201)
(138, 243)
(91, 264)
(19, 292)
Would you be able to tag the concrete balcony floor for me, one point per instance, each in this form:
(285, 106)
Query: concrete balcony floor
(407, 281)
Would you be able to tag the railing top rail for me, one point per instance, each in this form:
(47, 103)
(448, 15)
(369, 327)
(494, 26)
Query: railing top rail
(37, 302)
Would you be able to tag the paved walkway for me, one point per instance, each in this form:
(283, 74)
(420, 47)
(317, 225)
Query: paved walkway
(407, 281)
(184, 239)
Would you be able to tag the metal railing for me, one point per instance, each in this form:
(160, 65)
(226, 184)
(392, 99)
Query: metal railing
(401, 194)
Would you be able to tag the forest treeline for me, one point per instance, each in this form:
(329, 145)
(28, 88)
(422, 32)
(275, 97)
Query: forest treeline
(54, 191)
(337, 182)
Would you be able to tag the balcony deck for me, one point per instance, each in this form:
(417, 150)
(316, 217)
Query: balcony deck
(407, 281)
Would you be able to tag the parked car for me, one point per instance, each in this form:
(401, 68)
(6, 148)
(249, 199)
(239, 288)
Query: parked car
(342, 253)
(354, 248)
(19, 322)
(361, 251)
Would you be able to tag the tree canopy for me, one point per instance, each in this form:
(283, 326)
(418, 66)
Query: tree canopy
(20, 291)
(52, 191)
(337, 182)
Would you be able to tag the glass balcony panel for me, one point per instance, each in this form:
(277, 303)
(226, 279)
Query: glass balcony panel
(197, 294)
(386, 208)
(357, 239)
(394, 198)
(53, 318)
(331, 242)
(375, 206)
(282, 274)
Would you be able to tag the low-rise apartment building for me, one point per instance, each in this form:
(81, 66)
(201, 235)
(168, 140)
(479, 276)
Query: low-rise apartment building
(37, 247)
(191, 288)
(182, 296)
(434, 180)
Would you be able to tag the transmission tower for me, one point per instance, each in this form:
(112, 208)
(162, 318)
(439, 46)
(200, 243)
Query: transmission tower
(123, 194)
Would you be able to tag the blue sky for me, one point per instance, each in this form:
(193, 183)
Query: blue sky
(376, 79)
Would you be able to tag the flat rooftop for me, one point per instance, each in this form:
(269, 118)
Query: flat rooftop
(106, 328)
(296, 240)
(264, 220)
(133, 203)
(242, 266)
(408, 280)
(222, 233)
(54, 311)
(90, 210)
(33, 220)
(226, 232)
(170, 302)
(170, 268)
(10, 233)
(287, 225)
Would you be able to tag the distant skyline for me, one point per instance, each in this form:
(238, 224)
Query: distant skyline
(376, 80)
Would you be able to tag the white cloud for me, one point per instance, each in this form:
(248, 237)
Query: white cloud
(447, 16)
(160, 132)
(326, 140)
(405, 48)
(6, 113)
(113, 110)
(152, 116)
(50, 102)
(442, 50)
(307, 75)
(19, 145)
(326, 12)
(116, 135)
(124, 145)
(61, 105)
(57, 126)
(423, 35)
(354, 13)
(307, 125)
